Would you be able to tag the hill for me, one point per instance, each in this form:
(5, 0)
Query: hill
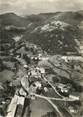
(55, 32)
(12, 19)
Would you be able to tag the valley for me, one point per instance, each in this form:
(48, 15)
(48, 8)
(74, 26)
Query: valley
(41, 65)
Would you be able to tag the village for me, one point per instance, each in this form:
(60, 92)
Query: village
(41, 76)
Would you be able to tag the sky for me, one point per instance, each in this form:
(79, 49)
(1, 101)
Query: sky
(27, 7)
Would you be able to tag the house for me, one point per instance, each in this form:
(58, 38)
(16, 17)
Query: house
(41, 70)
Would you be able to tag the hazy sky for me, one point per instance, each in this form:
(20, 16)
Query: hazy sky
(37, 6)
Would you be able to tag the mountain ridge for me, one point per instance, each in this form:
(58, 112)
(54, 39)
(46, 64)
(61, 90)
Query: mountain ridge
(54, 32)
